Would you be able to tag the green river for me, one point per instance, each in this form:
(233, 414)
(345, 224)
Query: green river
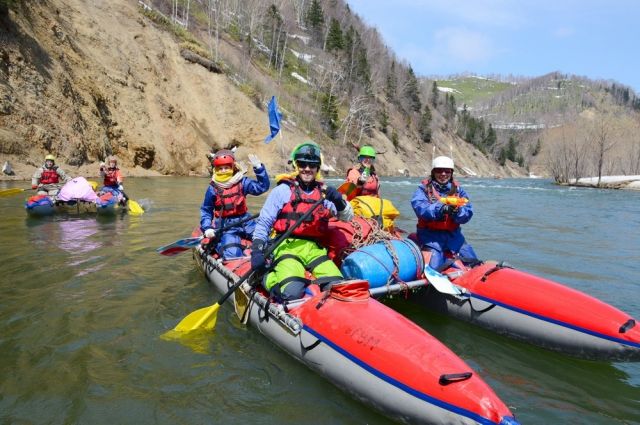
(84, 301)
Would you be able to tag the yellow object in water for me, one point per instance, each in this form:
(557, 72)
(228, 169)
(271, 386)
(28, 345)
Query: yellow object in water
(373, 207)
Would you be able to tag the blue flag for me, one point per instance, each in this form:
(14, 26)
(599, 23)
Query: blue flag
(274, 119)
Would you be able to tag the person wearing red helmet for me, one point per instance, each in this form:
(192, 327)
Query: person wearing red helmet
(225, 201)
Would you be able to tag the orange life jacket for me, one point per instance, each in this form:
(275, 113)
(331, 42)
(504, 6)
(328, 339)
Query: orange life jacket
(49, 175)
(446, 223)
(371, 187)
(229, 202)
(111, 177)
(300, 202)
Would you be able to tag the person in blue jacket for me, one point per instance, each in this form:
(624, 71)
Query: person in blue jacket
(441, 206)
(225, 202)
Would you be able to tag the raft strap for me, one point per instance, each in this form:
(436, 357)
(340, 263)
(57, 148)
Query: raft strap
(628, 325)
(500, 265)
(450, 378)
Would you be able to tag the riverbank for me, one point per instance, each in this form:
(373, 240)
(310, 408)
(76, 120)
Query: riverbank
(608, 182)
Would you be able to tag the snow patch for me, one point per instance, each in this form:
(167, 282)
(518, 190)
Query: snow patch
(304, 56)
(448, 90)
(299, 77)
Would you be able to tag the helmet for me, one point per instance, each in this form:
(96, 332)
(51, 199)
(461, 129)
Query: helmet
(223, 157)
(307, 151)
(112, 159)
(50, 158)
(442, 162)
(367, 151)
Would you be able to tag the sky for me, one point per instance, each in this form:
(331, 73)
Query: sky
(598, 39)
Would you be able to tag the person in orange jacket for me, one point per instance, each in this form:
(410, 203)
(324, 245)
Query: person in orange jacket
(364, 175)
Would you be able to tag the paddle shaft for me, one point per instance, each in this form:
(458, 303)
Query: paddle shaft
(272, 248)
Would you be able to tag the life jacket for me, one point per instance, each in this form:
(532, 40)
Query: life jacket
(49, 175)
(300, 202)
(371, 187)
(229, 202)
(111, 177)
(446, 223)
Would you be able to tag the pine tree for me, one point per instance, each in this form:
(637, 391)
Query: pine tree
(329, 114)
(424, 127)
(434, 94)
(392, 83)
(384, 120)
(335, 39)
(491, 138)
(394, 138)
(511, 151)
(412, 91)
(315, 19)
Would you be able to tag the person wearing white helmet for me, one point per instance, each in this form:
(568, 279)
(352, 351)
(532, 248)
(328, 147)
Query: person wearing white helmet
(47, 179)
(441, 206)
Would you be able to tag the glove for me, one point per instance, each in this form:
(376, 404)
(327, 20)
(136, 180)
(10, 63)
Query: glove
(102, 165)
(448, 209)
(34, 186)
(120, 187)
(362, 179)
(257, 255)
(254, 160)
(209, 233)
(335, 197)
(346, 214)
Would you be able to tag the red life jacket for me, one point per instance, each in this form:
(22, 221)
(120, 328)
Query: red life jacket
(446, 223)
(300, 202)
(229, 202)
(371, 187)
(49, 175)
(111, 177)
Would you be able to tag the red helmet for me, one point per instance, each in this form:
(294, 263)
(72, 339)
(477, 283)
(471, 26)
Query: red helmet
(223, 157)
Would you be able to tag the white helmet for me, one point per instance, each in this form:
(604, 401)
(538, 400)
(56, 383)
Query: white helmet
(442, 162)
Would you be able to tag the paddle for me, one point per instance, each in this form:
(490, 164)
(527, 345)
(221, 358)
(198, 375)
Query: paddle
(348, 189)
(134, 207)
(11, 192)
(205, 318)
(440, 282)
(186, 244)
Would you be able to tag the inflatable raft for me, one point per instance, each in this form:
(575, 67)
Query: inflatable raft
(507, 301)
(365, 348)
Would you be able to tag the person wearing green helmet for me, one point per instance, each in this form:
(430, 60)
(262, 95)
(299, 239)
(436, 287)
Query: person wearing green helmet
(363, 175)
(294, 195)
(47, 178)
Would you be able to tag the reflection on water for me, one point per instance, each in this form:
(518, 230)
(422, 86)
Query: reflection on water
(84, 301)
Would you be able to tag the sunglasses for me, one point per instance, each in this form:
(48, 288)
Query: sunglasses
(304, 164)
(442, 170)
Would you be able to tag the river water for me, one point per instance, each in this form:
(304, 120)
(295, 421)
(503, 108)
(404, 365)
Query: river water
(84, 302)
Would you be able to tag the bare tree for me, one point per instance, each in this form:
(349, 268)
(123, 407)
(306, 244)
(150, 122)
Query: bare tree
(601, 140)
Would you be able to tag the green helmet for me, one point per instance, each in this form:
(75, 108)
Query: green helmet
(367, 151)
(307, 151)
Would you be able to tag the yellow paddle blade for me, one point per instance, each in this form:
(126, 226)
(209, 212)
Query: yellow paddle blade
(134, 208)
(204, 318)
(94, 184)
(10, 192)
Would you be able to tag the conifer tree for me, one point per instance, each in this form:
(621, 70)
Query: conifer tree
(329, 114)
(384, 120)
(434, 94)
(335, 40)
(491, 138)
(315, 19)
(412, 91)
(425, 125)
(392, 83)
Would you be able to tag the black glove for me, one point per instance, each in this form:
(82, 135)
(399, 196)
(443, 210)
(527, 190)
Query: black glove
(449, 209)
(335, 197)
(257, 255)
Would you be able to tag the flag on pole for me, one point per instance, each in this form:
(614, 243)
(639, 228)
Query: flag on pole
(274, 119)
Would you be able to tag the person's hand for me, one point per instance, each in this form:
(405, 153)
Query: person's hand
(448, 209)
(209, 233)
(335, 197)
(120, 187)
(362, 179)
(34, 186)
(102, 165)
(257, 255)
(346, 215)
(254, 160)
